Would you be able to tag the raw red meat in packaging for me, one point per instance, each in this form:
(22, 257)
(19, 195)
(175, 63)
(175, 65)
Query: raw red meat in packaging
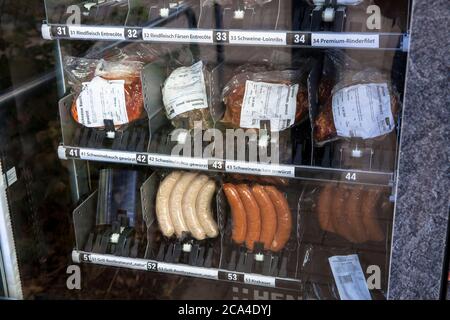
(252, 96)
(109, 88)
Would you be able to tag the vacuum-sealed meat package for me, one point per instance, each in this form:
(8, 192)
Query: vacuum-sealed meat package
(362, 105)
(105, 90)
(185, 97)
(253, 97)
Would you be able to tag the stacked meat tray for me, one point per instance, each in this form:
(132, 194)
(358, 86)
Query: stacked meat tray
(331, 113)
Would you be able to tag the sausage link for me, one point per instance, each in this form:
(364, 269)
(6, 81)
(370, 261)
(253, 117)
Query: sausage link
(340, 222)
(238, 213)
(162, 203)
(189, 207)
(370, 219)
(268, 216)
(324, 209)
(253, 216)
(284, 218)
(354, 217)
(204, 211)
(175, 202)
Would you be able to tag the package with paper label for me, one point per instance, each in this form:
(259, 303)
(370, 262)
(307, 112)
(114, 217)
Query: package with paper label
(185, 97)
(362, 105)
(255, 98)
(105, 90)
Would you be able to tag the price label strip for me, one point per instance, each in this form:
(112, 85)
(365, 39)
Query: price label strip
(184, 270)
(237, 37)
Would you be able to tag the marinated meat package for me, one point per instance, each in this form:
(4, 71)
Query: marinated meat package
(105, 91)
(185, 97)
(361, 105)
(254, 96)
(107, 84)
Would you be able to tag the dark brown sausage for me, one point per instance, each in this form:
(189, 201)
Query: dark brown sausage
(324, 209)
(354, 215)
(340, 222)
(370, 217)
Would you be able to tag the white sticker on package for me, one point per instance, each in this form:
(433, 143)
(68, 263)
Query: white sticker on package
(100, 100)
(349, 278)
(185, 90)
(363, 111)
(269, 101)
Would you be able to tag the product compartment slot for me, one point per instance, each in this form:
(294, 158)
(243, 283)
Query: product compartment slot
(191, 246)
(238, 199)
(355, 108)
(343, 220)
(109, 220)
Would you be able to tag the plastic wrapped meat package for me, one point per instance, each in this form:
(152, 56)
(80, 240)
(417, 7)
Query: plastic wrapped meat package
(185, 96)
(257, 94)
(108, 88)
(363, 104)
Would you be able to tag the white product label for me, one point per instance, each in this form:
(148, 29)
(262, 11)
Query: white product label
(177, 162)
(259, 280)
(101, 99)
(93, 32)
(349, 278)
(345, 40)
(363, 111)
(258, 38)
(188, 270)
(269, 101)
(185, 90)
(177, 35)
(260, 169)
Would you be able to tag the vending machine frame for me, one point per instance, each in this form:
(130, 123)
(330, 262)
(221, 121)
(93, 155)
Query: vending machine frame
(420, 185)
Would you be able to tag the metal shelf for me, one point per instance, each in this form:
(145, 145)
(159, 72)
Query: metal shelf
(227, 166)
(185, 270)
(356, 40)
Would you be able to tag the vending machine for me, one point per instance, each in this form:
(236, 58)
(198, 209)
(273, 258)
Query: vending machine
(229, 149)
